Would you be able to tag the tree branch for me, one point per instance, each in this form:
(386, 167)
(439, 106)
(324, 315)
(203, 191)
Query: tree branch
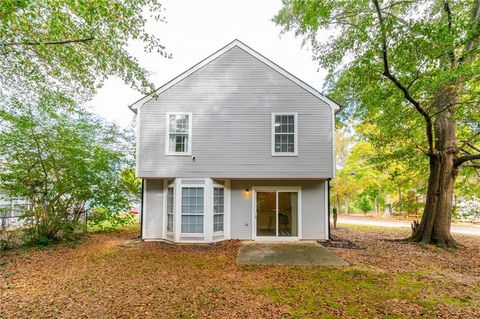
(476, 23)
(470, 139)
(67, 41)
(459, 161)
(474, 165)
(391, 77)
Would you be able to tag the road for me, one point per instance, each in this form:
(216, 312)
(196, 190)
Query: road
(465, 229)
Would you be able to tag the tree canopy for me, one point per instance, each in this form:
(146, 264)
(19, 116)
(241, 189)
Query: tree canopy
(73, 46)
(408, 71)
(63, 161)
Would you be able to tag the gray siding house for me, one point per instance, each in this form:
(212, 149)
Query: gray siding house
(235, 148)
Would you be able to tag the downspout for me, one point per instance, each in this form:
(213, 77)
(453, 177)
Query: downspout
(141, 210)
(328, 206)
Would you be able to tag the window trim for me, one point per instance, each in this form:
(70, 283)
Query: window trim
(217, 233)
(167, 134)
(173, 210)
(182, 234)
(277, 189)
(295, 134)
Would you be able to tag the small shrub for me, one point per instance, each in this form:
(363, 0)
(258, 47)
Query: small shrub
(104, 220)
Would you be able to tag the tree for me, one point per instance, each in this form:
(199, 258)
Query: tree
(413, 68)
(63, 160)
(72, 46)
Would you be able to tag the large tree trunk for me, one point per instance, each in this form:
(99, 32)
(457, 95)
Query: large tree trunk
(435, 225)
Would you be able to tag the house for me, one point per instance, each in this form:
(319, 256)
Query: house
(10, 210)
(235, 148)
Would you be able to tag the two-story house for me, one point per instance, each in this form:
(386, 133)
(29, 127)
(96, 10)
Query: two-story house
(235, 148)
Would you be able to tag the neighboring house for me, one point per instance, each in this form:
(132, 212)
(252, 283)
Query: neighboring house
(235, 148)
(11, 210)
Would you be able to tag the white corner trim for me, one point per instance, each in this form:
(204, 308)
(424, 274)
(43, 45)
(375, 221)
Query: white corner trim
(236, 43)
(334, 136)
(167, 134)
(137, 144)
(144, 208)
(295, 134)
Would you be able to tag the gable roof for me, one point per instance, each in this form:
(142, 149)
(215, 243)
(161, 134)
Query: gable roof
(235, 43)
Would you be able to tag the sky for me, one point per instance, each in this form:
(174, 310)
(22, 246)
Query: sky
(194, 30)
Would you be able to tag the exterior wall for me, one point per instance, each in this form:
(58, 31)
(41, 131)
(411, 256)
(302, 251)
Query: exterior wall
(238, 209)
(231, 100)
(313, 209)
(153, 211)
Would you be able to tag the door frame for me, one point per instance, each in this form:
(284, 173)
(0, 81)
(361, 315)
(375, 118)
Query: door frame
(298, 190)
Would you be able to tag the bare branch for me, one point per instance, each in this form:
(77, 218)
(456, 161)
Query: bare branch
(466, 158)
(472, 42)
(474, 165)
(476, 23)
(470, 139)
(474, 147)
(406, 92)
(67, 41)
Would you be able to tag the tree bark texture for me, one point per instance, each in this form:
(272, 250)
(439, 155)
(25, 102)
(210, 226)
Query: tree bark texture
(434, 227)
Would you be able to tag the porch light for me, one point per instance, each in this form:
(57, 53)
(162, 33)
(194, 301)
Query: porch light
(247, 190)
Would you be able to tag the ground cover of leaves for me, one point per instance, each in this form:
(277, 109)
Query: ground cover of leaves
(113, 276)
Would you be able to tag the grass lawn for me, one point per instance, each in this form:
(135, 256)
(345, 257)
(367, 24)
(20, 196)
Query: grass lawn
(109, 275)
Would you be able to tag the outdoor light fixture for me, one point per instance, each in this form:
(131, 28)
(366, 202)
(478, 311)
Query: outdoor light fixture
(247, 190)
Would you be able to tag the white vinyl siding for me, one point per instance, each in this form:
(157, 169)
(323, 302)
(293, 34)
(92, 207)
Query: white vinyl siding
(218, 209)
(179, 133)
(153, 209)
(313, 206)
(232, 100)
(192, 210)
(284, 134)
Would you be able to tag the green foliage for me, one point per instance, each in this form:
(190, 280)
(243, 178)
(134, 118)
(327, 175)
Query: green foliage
(73, 46)
(364, 203)
(131, 183)
(64, 161)
(430, 45)
(104, 220)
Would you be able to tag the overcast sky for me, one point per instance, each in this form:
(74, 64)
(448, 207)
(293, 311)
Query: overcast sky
(196, 29)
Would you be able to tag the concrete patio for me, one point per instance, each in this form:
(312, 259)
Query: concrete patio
(300, 253)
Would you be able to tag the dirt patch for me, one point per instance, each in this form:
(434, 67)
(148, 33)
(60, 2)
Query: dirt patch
(116, 276)
(338, 242)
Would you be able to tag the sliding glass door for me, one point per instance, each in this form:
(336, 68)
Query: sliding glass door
(276, 213)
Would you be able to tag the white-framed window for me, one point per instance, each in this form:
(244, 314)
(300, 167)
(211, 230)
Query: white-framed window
(170, 207)
(218, 209)
(284, 134)
(192, 210)
(179, 133)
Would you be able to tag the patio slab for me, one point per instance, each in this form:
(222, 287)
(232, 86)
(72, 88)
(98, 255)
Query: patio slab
(308, 254)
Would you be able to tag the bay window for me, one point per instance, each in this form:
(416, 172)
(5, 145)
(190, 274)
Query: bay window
(218, 209)
(192, 210)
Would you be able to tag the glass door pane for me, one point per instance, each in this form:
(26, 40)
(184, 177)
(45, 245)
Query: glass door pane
(266, 214)
(287, 214)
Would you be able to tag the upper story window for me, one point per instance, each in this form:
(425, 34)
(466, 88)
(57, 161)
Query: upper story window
(179, 133)
(284, 134)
